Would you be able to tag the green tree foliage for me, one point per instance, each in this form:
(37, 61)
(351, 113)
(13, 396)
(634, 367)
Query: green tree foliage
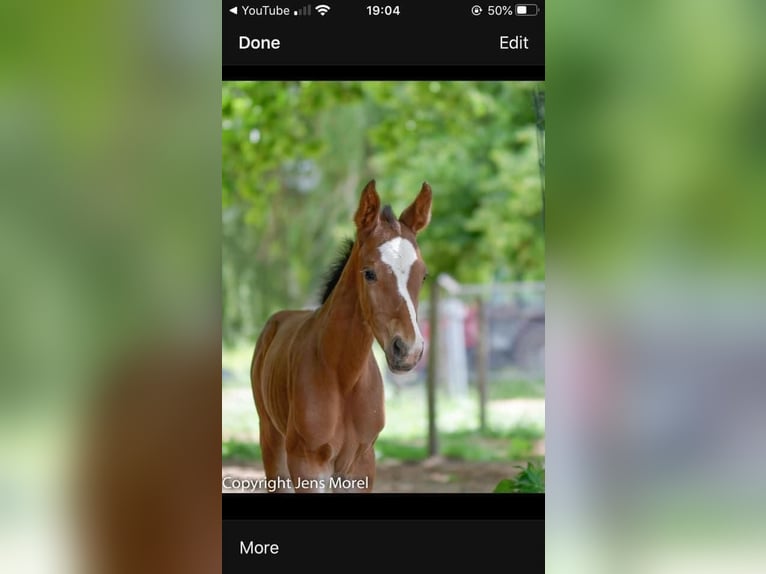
(297, 154)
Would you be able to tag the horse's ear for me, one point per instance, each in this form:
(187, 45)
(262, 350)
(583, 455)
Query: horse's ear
(418, 214)
(369, 207)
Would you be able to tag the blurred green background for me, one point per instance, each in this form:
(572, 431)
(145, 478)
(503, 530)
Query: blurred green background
(655, 294)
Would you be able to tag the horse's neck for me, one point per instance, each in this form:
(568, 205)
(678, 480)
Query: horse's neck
(345, 338)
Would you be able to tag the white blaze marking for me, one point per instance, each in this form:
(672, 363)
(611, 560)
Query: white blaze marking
(399, 254)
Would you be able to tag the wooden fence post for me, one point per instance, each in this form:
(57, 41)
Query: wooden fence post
(482, 362)
(433, 367)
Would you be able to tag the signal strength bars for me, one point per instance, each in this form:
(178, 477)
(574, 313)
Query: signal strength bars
(320, 9)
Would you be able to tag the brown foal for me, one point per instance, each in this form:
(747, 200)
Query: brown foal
(317, 388)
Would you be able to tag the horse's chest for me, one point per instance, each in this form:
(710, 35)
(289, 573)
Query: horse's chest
(364, 417)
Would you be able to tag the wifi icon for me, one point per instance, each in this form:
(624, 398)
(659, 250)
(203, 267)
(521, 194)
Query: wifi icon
(322, 9)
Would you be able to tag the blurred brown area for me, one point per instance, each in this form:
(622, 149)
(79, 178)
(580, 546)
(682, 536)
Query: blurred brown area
(149, 471)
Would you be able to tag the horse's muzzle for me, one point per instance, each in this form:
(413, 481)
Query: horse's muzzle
(401, 357)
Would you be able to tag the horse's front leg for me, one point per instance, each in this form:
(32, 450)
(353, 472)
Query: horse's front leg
(360, 476)
(310, 469)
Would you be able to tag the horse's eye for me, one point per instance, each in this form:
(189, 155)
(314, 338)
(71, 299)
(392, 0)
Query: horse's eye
(369, 275)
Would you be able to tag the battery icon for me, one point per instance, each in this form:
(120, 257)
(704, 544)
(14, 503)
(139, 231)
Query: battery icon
(526, 9)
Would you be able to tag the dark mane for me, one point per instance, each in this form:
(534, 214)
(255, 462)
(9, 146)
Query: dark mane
(333, 275)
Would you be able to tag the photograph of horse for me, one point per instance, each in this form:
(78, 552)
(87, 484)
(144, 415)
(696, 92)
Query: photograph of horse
(383, 287)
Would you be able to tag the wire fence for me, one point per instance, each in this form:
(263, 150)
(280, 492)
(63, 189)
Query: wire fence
(500, 328)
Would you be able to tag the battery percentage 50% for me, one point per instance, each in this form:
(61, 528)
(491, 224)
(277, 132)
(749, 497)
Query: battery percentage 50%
(517, 9)
(499, 10)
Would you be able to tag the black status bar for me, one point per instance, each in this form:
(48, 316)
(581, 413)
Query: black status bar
(416, 33)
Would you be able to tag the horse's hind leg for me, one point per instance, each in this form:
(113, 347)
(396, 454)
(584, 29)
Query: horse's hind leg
(274, 457)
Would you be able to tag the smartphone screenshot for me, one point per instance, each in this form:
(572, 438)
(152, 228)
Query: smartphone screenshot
(383, 284)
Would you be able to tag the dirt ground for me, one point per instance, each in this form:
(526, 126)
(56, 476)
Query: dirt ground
(433, 475)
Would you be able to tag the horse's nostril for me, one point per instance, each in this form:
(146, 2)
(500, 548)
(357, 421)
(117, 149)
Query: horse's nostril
(399, 348)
